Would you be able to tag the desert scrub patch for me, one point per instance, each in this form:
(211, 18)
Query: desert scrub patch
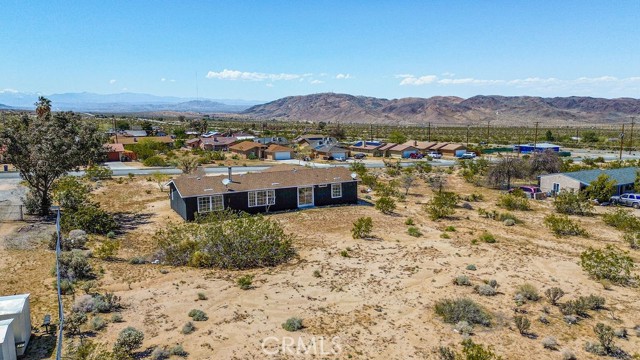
(362, 228)
(610, 264)
(453, 311)
(245, 282)
(462, 280)
(414, 231)
(188, 328)
(198, 315)
(292, 324)
(514, 202)
(226, 240)
(487, 237)
(561, 225)
(528, 292)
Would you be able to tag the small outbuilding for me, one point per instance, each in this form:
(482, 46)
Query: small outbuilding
(16, 309)
(578, 180)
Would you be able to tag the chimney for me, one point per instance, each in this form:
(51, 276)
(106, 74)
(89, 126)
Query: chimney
(230, 179)
(415, 142)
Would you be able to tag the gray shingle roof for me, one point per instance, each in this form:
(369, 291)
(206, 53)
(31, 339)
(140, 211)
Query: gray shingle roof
(622, 176)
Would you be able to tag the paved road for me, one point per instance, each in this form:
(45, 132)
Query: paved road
(121, 169)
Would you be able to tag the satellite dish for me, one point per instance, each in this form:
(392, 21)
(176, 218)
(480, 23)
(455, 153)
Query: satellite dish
(354, 175)
(226, 182)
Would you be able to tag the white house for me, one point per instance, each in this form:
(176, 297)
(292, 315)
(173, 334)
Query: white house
(16, 308)
(7, 341)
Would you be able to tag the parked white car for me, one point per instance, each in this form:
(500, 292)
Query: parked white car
(434, 155)
(468, 155)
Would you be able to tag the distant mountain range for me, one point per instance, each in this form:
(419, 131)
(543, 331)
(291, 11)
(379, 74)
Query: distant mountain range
(123, 102)
(504, 110)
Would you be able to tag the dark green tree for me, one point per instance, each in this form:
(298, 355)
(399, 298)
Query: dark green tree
(601, 189)
(548, 136)
(45, 147)
(397, 137)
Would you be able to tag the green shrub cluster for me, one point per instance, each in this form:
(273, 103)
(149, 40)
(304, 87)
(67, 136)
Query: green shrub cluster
(462, 309)
(154, 160)
(572, 203)
(610, 264)
(226, 240)
(561, 225)
(442, 205)
(362, 228)
(514, 202)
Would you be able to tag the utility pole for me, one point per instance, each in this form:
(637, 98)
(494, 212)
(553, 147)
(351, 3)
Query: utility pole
(633, 121)
(488, 125)
(467, 135)
(535, 137)
(621, 141)
(370, 132)
(115, 131)
(429, 132)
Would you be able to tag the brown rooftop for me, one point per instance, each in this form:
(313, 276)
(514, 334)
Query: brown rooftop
(197, 185)
(387, 146)
(277, 148)
(453, 147)
(246, 145)
(420, 145)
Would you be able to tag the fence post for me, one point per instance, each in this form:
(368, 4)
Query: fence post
(21, 214)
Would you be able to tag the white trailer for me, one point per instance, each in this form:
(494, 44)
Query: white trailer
(16, 308)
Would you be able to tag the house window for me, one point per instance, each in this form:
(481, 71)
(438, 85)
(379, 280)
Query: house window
(262, 198)
(210, 203)
(336, 190)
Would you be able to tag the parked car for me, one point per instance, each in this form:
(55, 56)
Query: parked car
(340, 158)
(434, 155)
(360, 156)
(327, 158)
(532, 192)
(627, 200)
(416, 156)
(468, 155)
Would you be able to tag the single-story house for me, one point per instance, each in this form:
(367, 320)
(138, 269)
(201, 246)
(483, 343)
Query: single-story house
(278, 152)
(367, 147)
(438, 147)
(313, 141)
(529, 148)
(331, 150)
(248, 149)
(243, 136)
(453, 150)
(272, 140)
(217, 143)
(578, 180)
(16, 309)
(384, 149)
(192, 143)
(402, 150)
(115, 152)
(262, 192)
(7, 341)
(422, 146)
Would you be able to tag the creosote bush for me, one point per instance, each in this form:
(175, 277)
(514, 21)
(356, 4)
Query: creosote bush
(292, 324)
(550, 343)
(486, 290)
(561, 225)
(244, 282)
(572, 203)
(610, 264)
(528, 292)
(362, 228)
(487, 237)
(462, 280)
(198, 315)
(514, 202)
(386, 205)
(414, 231)
(188, 328)
(226, 240)
(129, 340)
(442, 205)
(554, 294)
(462, 309)
(523, 324)
(470, 351)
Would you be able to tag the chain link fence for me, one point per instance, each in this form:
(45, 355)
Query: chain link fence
(11, 213)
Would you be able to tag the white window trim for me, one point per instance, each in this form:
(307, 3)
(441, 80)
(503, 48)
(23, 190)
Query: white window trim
(210, 206)
(269, 196)
(336, 186)
(313, 196)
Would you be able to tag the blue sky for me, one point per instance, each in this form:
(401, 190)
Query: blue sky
(264, 50)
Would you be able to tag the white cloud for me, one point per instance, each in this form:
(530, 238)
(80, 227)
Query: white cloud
(12, 91)
(227, 74)
(172, 80)
(316, 81)
(343, 76)
(269, 85)
(412, 80)
(408, 79)
(163, 79)
(112, 81)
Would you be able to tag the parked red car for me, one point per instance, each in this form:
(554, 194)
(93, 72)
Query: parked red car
(416, 156)
(532, 192)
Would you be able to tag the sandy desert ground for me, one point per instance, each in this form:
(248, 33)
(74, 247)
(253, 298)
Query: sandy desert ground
(377, 303)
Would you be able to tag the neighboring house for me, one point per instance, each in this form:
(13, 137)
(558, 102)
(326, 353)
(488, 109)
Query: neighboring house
(115, 152)
(313, 141)
(402, 151)
(263, 192)
(134, 140)
(330, 150)
(7, 341)
(248, 149)
(578, 180)
(453, 150)
(16, 309)
(384, 149)
(423, 146)
(217, 143)
(529, 148)
(278, 152)
(272, 140)
(192, 143)
(367, 147)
